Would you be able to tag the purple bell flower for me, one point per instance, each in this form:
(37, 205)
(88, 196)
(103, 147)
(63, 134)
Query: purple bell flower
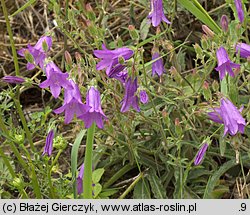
(72, 104)
(49, 143)
(244, 49)
(13, 79)
(230, 116)
(157, 13)
(130, 98)
(239, 9)
(55, 79)
(38, 52)
(200, 154)
(110, 58)
(157, 66)
(224, 63)
(95, 113)
(143, 97)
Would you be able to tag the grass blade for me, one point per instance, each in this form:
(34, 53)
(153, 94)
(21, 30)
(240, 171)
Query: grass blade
(200, 13)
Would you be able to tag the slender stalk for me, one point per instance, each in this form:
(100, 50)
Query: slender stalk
(23, 120)
(7, 163)
(13, 48)
(87, 180)
(131, 186)
(118, 175)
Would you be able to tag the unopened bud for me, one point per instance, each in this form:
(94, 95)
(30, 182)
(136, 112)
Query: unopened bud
(78, 57)
(89, 8)
(205, 85)
(133, 32)
(224, 23)
(90, 12)
(208, 31)
(68, 58)
(177, 122)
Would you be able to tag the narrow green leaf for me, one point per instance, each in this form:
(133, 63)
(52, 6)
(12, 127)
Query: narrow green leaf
(27, 4)
(156, 185)
(141, 190)
(223, 144)
(213, 180)
(74, 153)
(201, 14)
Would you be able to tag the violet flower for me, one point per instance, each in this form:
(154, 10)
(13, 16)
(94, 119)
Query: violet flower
(55, 79)
(110, 58)
(230, 116)
(157, 66)
(224, 63)
(130, 98)
(72, 103)
(200, 154)
(49, 143)
(79, 180)
(239, 9)
(38, 52)
(95, 113)
(119, 73)
(143, 97)
(157, 13)
(244, 49)
(13, 79)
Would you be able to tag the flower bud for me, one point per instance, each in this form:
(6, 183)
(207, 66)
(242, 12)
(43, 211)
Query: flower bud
(208, 31)
(68, 58)
(133, 32)
(224, 23)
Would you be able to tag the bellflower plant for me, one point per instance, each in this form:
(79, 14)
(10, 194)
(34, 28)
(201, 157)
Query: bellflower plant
(239, 9)
(157, 66)
(49, 143)
(224, 63)
(72, 103)
(230, 116)
(157, 13)
(130, 97)
(95, 113)
(200, 155)
(110, 58)
(13, 79)
(39, 52)
(55, 79)
(244, 49)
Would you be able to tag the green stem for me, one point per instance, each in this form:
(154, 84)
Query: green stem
(131, 186)
(3, 127)
(5, 13)
(24, 123)
(19, 157)
(118, 175)
(7, 163)
(87, 180)
(34, 179)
